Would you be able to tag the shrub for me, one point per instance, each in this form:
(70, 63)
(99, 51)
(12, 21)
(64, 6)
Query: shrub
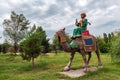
(115, 50)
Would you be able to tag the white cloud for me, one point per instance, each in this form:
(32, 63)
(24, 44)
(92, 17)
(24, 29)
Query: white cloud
(46, 5)
(82, 3)
(112, 7)
(56, 14)
(18, 1)
(3, 4)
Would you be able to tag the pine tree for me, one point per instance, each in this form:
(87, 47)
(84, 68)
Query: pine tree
(31, 45)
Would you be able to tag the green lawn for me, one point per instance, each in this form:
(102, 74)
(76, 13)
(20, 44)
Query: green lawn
(48, 67)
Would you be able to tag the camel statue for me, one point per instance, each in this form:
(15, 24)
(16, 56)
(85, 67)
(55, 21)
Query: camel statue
(66, 47)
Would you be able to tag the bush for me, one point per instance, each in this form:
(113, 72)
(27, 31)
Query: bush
(115, 50)
(103, 46)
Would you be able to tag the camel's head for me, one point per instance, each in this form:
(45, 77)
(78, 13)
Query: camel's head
(61, 35)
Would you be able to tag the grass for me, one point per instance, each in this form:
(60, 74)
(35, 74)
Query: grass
(48, 67)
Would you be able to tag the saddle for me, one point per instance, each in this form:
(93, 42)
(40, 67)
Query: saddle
(87, 41)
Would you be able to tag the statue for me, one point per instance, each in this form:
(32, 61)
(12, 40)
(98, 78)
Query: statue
(81, 25)
(83, 44)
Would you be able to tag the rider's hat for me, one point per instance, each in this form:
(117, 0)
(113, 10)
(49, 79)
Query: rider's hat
(84, 14)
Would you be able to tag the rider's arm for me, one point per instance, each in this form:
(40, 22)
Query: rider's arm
(76, 23)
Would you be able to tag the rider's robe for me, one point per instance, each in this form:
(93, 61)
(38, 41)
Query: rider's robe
(80, 29)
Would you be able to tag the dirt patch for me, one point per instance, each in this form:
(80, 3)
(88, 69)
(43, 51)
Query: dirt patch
(78, 72)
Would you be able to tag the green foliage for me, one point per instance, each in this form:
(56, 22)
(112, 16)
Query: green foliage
(32, 43)
(102, 45)
(45, 42)
(109, 37)
(68, 38)
(106, 39)
(4, 47)
(115, 50)
(106, 42)
(15, 28)
(25, 56)
(104, 48)
(55, 41)
(46, 45)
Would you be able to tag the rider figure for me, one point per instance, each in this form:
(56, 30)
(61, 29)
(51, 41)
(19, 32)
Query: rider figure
(81, 25)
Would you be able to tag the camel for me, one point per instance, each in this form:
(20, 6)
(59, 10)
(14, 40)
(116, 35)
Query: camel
(66, 47)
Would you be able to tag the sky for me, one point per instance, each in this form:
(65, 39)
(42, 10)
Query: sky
(52, 15)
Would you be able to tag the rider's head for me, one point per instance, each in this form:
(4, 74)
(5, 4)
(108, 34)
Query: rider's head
(83, 15)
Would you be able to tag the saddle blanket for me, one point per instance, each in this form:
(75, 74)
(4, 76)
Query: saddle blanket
(89, 43)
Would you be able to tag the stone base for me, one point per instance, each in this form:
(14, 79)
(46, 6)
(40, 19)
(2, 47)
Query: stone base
(78, 72)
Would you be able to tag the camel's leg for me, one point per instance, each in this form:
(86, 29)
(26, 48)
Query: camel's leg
(85, 60)
(88, 60)
(99, 60)
(67, 67)
(89, 57)
(98, 54)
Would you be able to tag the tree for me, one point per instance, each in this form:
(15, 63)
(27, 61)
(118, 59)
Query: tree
(31, 45)
(46, 45)
(15, 28)
(55, 41)
(105, 37)
(109, 37)
(45, 42)
(112, 34)
(4, 47)
(115, 50)
(104, 47)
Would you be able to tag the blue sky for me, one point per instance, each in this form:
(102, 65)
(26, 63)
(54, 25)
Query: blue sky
(53, 15)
